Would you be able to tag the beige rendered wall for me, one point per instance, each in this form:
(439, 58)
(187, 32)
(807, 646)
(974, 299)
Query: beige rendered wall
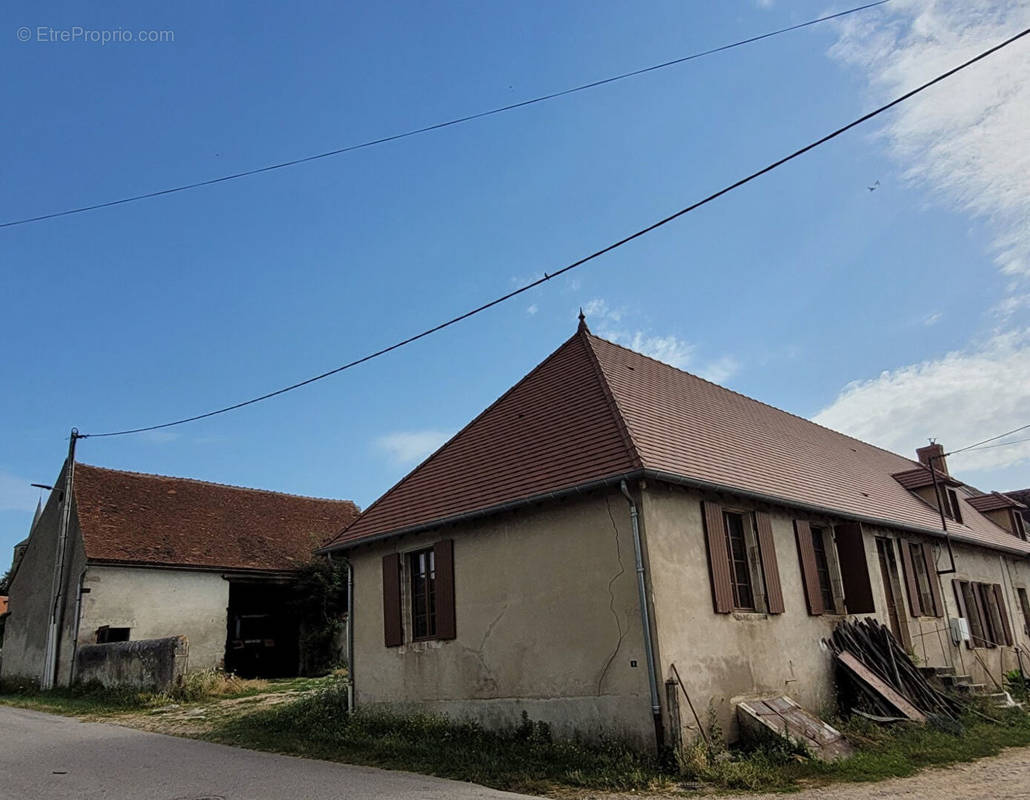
(155, 603)
(723, 658)
(537, 629)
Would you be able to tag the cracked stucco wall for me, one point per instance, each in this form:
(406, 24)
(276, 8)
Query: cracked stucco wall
(724, 657)
(547, 622)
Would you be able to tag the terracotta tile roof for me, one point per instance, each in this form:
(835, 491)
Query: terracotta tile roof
(153, 519)
(993, 502)
(920, 478)
(594, 410)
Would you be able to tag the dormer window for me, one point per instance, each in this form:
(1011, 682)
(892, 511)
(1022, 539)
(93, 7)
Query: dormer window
(948, 502)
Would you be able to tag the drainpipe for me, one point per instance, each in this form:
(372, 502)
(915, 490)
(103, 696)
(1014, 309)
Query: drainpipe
(53, 638)
(350, 634)
(645, 619)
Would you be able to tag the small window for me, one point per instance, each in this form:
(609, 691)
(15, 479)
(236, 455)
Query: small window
(422, 568)
(922, 578)
(740, 567)
(106, 634)
(956, 510)
(1018, 525)
(822, 568)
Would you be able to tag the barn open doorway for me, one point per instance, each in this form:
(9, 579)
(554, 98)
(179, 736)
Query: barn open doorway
(263, 637)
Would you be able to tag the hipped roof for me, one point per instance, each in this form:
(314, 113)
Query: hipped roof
(594, 410)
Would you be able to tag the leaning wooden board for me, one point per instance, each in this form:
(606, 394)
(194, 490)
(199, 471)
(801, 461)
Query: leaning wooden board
(784, 717)
(876, 684)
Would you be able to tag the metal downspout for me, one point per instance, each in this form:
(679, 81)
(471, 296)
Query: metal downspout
(350, 634)
(645, 619)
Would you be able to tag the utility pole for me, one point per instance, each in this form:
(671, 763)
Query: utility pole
(53, 638)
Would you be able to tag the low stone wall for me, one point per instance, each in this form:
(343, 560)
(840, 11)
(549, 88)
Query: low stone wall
(149, 664)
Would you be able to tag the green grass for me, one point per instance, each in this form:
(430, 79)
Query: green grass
(94, 700)
(523, 758)
(881, 752)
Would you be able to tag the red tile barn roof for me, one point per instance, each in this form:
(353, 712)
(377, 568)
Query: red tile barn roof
(595, 410)
(152, 519)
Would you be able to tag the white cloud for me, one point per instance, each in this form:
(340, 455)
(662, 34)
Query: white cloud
(720, 370)
(16, 494)
(532, 309)
(607, 323)
(932, 319)
(409, 447)
(961, 398)
(668, 349)
(964, 141)
(764, 3)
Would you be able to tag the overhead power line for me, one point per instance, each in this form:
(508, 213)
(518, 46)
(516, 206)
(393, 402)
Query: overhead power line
(435, 126)
(978, 445)
(596, 254)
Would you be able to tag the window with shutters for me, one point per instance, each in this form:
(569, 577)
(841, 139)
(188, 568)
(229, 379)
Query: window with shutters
(1018, 524)
(422, 572)
(991, 623)
(742, 560)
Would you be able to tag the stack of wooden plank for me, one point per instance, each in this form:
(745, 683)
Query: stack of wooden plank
(883, 678)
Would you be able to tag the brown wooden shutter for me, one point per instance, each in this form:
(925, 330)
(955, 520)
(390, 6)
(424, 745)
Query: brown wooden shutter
(809, 573)
(982, 639)
(770, 569)
(392, 626)
(910, 579)
(854, 571)
(934, 579)
(443, 556)
(718, 558)
(1004, 614)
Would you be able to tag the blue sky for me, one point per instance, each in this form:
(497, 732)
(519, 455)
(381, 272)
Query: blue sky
(893, 314)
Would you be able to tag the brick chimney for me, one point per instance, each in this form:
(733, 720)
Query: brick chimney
(935, 451)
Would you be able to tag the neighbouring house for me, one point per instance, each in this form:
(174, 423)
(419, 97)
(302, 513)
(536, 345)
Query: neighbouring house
(149, 556)
(505, 574)
(3, 605)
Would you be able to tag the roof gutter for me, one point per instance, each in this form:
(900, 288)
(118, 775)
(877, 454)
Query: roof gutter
(694, 483)
(671, 478)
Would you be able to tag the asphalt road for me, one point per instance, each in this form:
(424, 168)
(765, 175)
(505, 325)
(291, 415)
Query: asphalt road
(45, 757)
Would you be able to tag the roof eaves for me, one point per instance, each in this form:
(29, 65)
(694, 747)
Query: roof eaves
(695, 483)
(500, 508)
(328, 546)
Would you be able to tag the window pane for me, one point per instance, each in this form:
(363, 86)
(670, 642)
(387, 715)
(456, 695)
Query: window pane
(423, 594)
(740, 573)
(822, 568)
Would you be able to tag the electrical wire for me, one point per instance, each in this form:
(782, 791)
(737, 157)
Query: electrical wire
(596, 254)
(989, 446)
(435, 126)
(993, 438)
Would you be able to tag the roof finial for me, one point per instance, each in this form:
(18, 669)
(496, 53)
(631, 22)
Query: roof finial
(583, 321)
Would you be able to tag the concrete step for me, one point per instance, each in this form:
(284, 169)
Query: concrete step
(953, 680)
(936, 672)
(971, 688)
